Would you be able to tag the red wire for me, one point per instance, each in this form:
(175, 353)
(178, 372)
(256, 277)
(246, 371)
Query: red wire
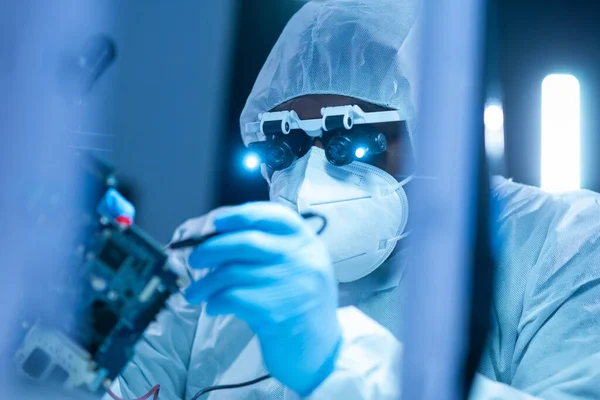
(154, 391)
(124, 220)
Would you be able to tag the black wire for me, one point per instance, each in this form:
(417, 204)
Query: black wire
(231, 386)
(311, 215)
(196, 241)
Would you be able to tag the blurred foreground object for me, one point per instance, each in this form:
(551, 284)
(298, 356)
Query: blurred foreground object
(80, 288)
(449, 295)
(115, 279)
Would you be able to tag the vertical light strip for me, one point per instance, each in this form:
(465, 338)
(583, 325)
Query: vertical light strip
(493, 119)
(560, 133)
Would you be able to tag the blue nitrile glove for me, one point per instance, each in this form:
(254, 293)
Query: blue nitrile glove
(272, 271)
(114, 205)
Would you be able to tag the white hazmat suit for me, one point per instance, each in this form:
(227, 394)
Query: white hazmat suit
(546, 327)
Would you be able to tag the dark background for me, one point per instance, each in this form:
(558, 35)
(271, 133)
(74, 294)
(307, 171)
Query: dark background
(533, 39)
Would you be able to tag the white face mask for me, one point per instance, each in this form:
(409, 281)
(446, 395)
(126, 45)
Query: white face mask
(366, 209)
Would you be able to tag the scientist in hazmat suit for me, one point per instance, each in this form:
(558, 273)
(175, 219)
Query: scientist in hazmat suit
(321, 314)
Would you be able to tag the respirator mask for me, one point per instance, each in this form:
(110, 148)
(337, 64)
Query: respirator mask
(365, 207)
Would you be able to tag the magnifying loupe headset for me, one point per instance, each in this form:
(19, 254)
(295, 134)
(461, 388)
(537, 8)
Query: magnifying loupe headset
(347, 133)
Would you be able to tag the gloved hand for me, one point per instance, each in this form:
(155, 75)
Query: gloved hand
(114, 205)
(272, 271)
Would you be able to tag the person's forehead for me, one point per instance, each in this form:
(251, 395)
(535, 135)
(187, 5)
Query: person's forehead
(309, 106)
